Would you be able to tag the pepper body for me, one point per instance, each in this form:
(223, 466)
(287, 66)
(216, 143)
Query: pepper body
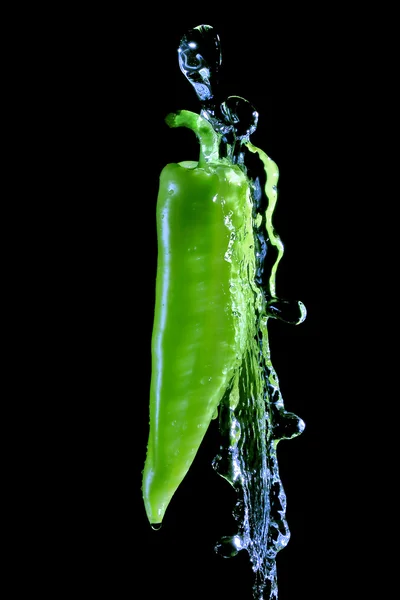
(205, 241)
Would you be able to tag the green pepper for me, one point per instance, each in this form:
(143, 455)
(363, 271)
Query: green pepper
(204, 298)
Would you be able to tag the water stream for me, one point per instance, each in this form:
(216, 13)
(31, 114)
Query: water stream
(252, 417)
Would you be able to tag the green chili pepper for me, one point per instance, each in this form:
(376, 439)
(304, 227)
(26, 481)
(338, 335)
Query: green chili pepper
(205, 247)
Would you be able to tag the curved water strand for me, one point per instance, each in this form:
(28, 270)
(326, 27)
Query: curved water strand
(292, 312)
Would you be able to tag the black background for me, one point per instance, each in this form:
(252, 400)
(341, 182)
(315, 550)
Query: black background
(121, 79)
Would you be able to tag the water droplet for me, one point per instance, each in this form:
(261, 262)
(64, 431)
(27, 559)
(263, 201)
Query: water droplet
(229, 546)
(156, 526)
(241, 115)
(199, 56)
(287, 425)
(292, 312)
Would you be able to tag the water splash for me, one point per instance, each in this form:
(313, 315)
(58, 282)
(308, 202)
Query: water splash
(200, 59)
(252, 417)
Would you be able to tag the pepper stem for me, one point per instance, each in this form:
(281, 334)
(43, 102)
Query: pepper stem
(209, 140)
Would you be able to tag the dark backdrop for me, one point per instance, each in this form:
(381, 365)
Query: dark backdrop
(122, 80)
